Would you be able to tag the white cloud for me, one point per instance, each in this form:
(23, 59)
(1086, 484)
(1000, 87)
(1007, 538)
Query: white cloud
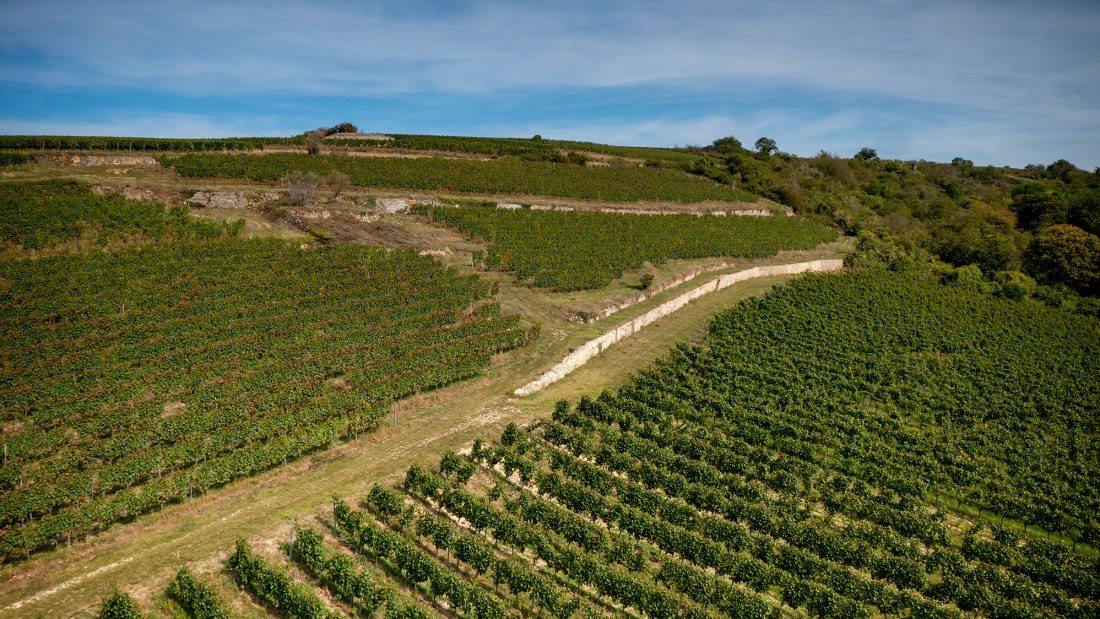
(972, 54)
(153, 125)
(1020, 63)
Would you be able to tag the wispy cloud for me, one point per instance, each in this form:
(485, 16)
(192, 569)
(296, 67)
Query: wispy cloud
(153, 125)
(1011, 61)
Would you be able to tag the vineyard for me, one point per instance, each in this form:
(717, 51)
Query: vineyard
(909, 442)
(498, 176)
(141, 377)
(807, 484)
(526, 148)
(577, 250)
(69, 142)
(36, 216)
(772, 472)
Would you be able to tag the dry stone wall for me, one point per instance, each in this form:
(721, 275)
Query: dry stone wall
(142, 194)
(588, 318)
(231, 199)
(392, 205)
(591, 348)
(83, 159)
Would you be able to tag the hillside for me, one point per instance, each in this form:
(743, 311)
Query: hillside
(206, 346)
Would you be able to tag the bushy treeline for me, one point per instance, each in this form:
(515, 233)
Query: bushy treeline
(1042, 221)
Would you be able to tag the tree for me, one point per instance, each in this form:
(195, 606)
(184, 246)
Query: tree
(866, 154)
(344, 127)
(766, 146)
(978, 235)
(337, 181)
(728, 145)
(1065, 254)
(1061, 170)
(1039, 210)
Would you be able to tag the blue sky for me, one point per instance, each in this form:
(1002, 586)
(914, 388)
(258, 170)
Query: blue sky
(1002, 83)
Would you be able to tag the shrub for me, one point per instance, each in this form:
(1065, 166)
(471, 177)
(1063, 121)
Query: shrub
(969, 276)
(647, 277)
(300, 186)
(1014, 285)
(337, 181)
(119, 605)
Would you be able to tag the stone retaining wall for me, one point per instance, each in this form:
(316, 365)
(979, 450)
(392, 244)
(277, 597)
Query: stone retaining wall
(591, 348)
(97, 160)
(231, 199)
(588, 318)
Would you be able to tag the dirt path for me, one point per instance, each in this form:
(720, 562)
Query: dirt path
(65, 585)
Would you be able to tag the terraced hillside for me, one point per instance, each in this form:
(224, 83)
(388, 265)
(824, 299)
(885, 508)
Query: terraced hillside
(917, 441)
(498, 176)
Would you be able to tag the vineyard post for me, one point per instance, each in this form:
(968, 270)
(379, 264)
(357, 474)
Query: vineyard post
(293, 522)
(395, 412)
(5, 454)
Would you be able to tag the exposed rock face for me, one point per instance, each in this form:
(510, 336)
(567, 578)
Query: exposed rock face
(509, 206)
(315, 214)
(133, 193)
(231, 199)
(392, 205)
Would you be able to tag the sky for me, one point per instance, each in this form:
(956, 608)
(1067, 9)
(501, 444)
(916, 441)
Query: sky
(999, 83)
